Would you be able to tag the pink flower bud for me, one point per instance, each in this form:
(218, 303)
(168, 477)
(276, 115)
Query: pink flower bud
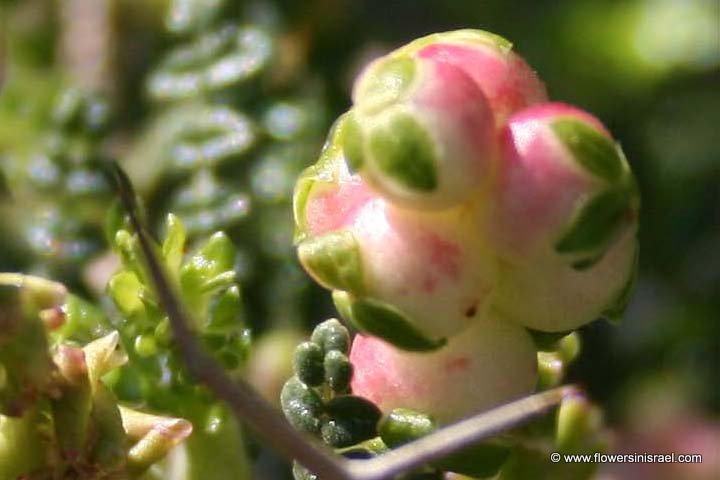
(420, 132)
(490, 363)
(508, 82)
(430, 266)
(563, 219)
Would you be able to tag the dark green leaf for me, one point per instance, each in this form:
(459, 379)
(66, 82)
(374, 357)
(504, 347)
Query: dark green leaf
(597, 222)
(595, 151)
(384, 321)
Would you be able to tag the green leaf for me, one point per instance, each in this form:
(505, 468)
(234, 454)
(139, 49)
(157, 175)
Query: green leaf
(384, 321)
(351, 419)
(351, 140)
(226, 310)
(208, 270)
(404, 151)
(308, 364)
(84, 322)
(304, 184)
(338, 371)
(595, 151)
(125, 289)
(333, 259)
(301, 405)
(174, 243)
(597, 222)
(331, 335)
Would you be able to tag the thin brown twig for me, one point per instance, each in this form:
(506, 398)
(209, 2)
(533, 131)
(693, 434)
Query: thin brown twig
(252, 409)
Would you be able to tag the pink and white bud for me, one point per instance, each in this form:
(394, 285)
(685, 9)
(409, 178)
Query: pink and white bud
(430, 267)
(420, 132)
(508, 82)
(563, 219)
(489, 364)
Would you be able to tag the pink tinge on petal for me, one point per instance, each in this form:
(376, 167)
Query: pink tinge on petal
(555, 111)
(453, 94)
(379, 380)
(422, 257)
(442, 254)
(337, 207)
(506, 80)
(538, 183)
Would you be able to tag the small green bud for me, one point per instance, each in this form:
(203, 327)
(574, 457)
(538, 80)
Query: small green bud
(578, 424)
(569, 347)
(402, 425)
(331, 335)
(551, 370)
(145, 345)
(338, 371)
(308, 363)
(301, 405)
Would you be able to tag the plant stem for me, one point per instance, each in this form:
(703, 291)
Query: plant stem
(251, 408)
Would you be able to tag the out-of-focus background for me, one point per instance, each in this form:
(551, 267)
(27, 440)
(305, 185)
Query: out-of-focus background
(216, 130)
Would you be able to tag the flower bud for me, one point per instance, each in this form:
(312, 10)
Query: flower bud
(563, 219)
(488, 364)
(420, 132)
(506, 80)
(411, 268)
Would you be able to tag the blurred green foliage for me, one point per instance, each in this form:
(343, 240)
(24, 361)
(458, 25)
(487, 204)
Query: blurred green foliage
(223, 153)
